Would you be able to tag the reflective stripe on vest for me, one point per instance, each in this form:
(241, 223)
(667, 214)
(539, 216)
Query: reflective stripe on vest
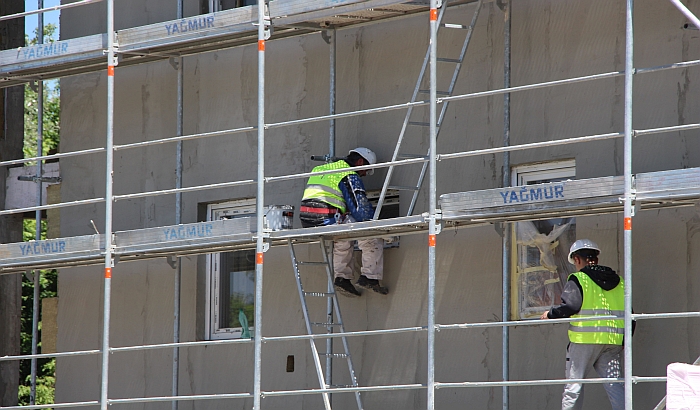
(325, 187)
(599, 302)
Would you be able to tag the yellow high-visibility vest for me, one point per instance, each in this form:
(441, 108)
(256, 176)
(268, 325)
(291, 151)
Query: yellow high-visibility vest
(325, 187)
(599, 302)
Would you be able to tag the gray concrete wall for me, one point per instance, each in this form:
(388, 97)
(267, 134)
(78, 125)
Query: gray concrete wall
(377, 65)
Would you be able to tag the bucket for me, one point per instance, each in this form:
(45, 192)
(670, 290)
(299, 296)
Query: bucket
(279, 217)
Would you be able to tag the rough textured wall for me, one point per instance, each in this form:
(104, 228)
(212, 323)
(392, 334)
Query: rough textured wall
(377, 65)
(92, 18)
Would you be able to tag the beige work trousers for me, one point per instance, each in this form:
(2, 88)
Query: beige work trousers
(372, 258)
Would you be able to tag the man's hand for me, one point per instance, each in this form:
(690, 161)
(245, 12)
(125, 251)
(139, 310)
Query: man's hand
(544, 315)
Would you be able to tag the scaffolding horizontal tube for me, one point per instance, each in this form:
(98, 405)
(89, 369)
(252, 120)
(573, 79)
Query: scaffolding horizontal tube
(415, 386)
(49, 355)
(47, 9)
(179, 344)
(675, 315)
(573, 80)
(344, 390)
(182, 398)
(534, 322)
(52, 156)
(185, 138)
(661, 130)
(187, 189)
(346, 334)
(52, 206)
(53, 406)
(546, 382)
(533, 145)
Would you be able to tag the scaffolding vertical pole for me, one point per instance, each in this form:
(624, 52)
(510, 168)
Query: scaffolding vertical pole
(506, 182)
(259, 247)
(331, 154)
(39, 197)
(629, 78)
(109, 175)
(178, 220)
(432, 231)
(331, 141)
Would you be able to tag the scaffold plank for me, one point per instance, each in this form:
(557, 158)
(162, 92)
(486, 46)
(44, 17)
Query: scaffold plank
(674, 185)
(572, 197)
(47, 253)
(512, 201)
(41, 60)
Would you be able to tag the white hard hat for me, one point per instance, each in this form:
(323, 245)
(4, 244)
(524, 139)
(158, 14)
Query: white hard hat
(368, 155)
(582, 244)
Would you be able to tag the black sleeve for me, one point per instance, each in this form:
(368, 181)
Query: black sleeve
(571, 300)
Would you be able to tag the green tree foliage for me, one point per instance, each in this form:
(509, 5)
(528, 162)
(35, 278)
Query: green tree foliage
(46, 368)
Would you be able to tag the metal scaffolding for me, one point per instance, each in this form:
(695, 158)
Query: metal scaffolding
(645, 191)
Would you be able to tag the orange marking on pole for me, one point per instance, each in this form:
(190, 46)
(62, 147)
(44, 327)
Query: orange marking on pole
(259, 258)
(261, 45)
(431, 241)
(628, 224)
(433, 14)
(110, 70)
(108, 273)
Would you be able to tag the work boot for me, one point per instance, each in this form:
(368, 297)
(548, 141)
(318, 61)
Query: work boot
(345, 287)
(371, 284)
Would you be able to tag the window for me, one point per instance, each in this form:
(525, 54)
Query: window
(540, 248)
(218, 5)
(231, 281)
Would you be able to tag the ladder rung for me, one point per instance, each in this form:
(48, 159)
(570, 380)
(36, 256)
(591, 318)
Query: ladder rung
(449, 60)
(405, 188)
(319, 294)
(437, 92)
(459, 26)
(421, 124)
(324, 324)
(311, 263)
(340, 386)
(338, 355)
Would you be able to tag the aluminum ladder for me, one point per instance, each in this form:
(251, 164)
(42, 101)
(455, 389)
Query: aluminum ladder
(457, 66)
(332, 321)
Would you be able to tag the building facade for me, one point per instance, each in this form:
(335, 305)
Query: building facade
(377, 65)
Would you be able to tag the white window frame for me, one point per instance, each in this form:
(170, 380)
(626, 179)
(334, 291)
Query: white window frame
(215, 5)
(232, 209)
(524, 175)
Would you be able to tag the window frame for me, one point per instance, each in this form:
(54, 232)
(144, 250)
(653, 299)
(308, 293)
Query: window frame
(216, 5)
(231, 209)
(523, 175)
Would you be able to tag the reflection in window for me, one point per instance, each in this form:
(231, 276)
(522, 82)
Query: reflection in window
(541, 247)
(237, 291)
(542, 266)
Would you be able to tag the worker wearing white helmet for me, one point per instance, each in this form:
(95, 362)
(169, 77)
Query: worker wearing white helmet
(593, 290)
(340, 197)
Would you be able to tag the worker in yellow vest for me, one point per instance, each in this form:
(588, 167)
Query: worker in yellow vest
(593, 290)
(340, 197)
